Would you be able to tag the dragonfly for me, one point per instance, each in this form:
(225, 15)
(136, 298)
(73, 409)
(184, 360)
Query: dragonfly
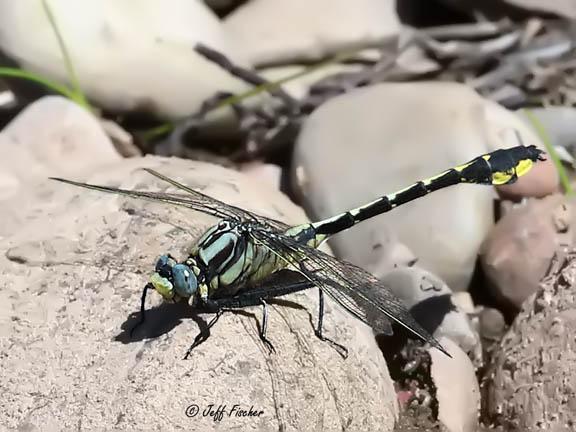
(246, 259)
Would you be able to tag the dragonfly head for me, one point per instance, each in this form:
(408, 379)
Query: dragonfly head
(173, 280)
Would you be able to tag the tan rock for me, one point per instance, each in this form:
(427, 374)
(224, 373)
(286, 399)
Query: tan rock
(72, 275)
(457, 389)
(51, 136)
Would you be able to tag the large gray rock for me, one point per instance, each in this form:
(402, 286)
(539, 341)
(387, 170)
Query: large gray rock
(73, 264)
(382, 138)
(532, 384)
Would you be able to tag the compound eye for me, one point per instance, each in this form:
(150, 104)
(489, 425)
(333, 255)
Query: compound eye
(164, 265)
(185, 282)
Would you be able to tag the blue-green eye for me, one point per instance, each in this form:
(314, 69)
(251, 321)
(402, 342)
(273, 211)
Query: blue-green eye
(165, 264)
(185, 282)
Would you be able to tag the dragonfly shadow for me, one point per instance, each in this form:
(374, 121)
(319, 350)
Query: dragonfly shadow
(159, 320)
(429, 313)
(165, 317)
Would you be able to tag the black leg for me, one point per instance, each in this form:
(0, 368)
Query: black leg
(142, 310)
(265, 327)
(204, 334)
(320, 314)
(341, 349)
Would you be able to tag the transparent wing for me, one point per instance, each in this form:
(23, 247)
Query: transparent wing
(233, 211)
(194, 200)
(356, 290)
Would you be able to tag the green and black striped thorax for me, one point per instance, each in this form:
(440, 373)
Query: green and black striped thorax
(229, 257)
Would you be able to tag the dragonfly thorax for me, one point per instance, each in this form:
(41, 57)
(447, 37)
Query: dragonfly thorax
(230, 258)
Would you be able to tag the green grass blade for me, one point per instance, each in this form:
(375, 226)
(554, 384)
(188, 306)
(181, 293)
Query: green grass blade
(157, 131)
(77, 95)
(20, 73)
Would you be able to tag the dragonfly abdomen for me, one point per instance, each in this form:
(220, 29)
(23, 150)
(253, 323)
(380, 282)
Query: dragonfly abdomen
(499, 167)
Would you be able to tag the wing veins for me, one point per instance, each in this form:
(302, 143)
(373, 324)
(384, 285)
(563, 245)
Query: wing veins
(343, 276)
(197, 202)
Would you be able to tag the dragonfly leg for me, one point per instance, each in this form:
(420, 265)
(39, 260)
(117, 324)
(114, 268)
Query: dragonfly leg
(142, 310)
(341, 349)
(265, 327)
(204, 334)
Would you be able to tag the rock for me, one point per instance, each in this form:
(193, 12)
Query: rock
(562, 8)
(381, 138)
(517, 252)
(430, 302)
(492, 324)
(51, 135)
(263, 173)
(414, 62)
(122, 139)
(463, 301)
(128, 56)
(7, 98)
(394, 255)
(533, 377)
(273, 32)
(457, 390)
(506, 8)
(72, 275)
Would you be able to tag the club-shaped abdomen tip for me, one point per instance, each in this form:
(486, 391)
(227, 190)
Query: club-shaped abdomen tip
(538, 177)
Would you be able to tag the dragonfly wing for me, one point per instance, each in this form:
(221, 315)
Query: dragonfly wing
(195, 200)
(370, 316)
(356, 290)
(237, 212)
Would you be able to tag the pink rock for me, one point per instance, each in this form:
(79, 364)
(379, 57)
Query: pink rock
(518, 251)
